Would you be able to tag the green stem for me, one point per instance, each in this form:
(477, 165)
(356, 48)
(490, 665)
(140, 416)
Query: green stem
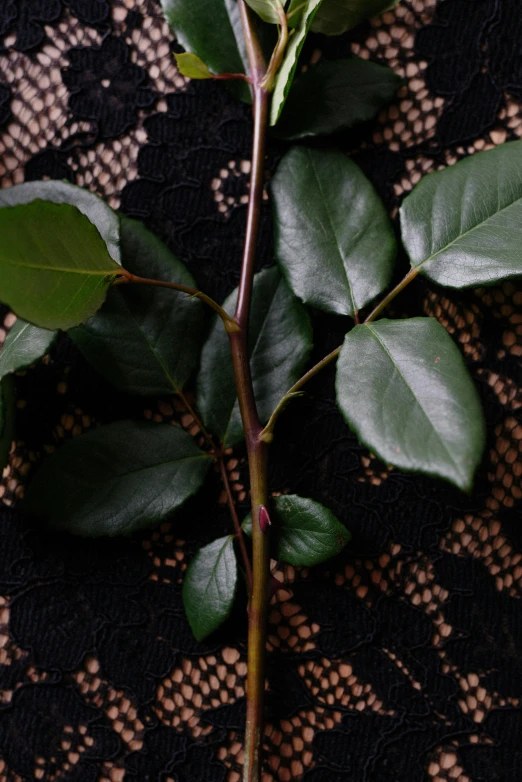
(126, 277)
(257, 459)
(267, 434)
(257, 618)
(257, 450)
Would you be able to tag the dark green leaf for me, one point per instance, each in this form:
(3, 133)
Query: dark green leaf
(305, 533)
(55, 268)
(7, 418)
(192, 66)
(24, 345)
(280, 340)
(100, 215)
(209, 586)
(333, 238)
(267, 10)
(404, 389)
(336, 95)
(117, 479)
(461, 226)
(286, 72)
(210, 30)
(337, 16)
(146, 340)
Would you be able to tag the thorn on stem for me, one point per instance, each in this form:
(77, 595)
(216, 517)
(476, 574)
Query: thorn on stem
(264, 519)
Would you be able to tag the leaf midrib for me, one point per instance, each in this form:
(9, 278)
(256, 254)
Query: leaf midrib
(397, 369)
(212, 576)
(476, 227)
(334, 232)
(87, 272)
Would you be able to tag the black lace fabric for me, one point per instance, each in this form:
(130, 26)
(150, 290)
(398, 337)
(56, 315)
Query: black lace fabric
(401, 659)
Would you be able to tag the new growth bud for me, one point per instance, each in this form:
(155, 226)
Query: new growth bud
(264, 519)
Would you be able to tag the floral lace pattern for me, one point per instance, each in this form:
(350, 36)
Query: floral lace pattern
(105, 87)
(400, 659)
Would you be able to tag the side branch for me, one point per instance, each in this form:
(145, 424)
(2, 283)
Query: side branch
(257, 450)
(235, 520)
(267, 435)
(231, 76)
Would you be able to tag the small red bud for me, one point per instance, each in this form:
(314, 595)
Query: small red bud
(264, 519)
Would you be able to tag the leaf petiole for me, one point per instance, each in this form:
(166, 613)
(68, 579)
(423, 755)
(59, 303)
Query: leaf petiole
(235, 520)
(391, 295)
(267, 434)
(295, 11)
(229, 76)
(126, 277)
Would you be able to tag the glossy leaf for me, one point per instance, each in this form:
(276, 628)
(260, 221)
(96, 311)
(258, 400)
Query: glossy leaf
(117, 479)
(192, 66)
(304, 532)
(209, 586)
(24, 345)
(286, 72)
(335, 95)
(7, 418)
(403, 387)
(337, 16)
(333, 238)
(210, 29)
(55, 268)
(89, 204)
(280, 340)
(461, 226)
(146, 340)
(267, 10)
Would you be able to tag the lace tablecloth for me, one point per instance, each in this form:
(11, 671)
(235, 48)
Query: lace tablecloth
(401, 659)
